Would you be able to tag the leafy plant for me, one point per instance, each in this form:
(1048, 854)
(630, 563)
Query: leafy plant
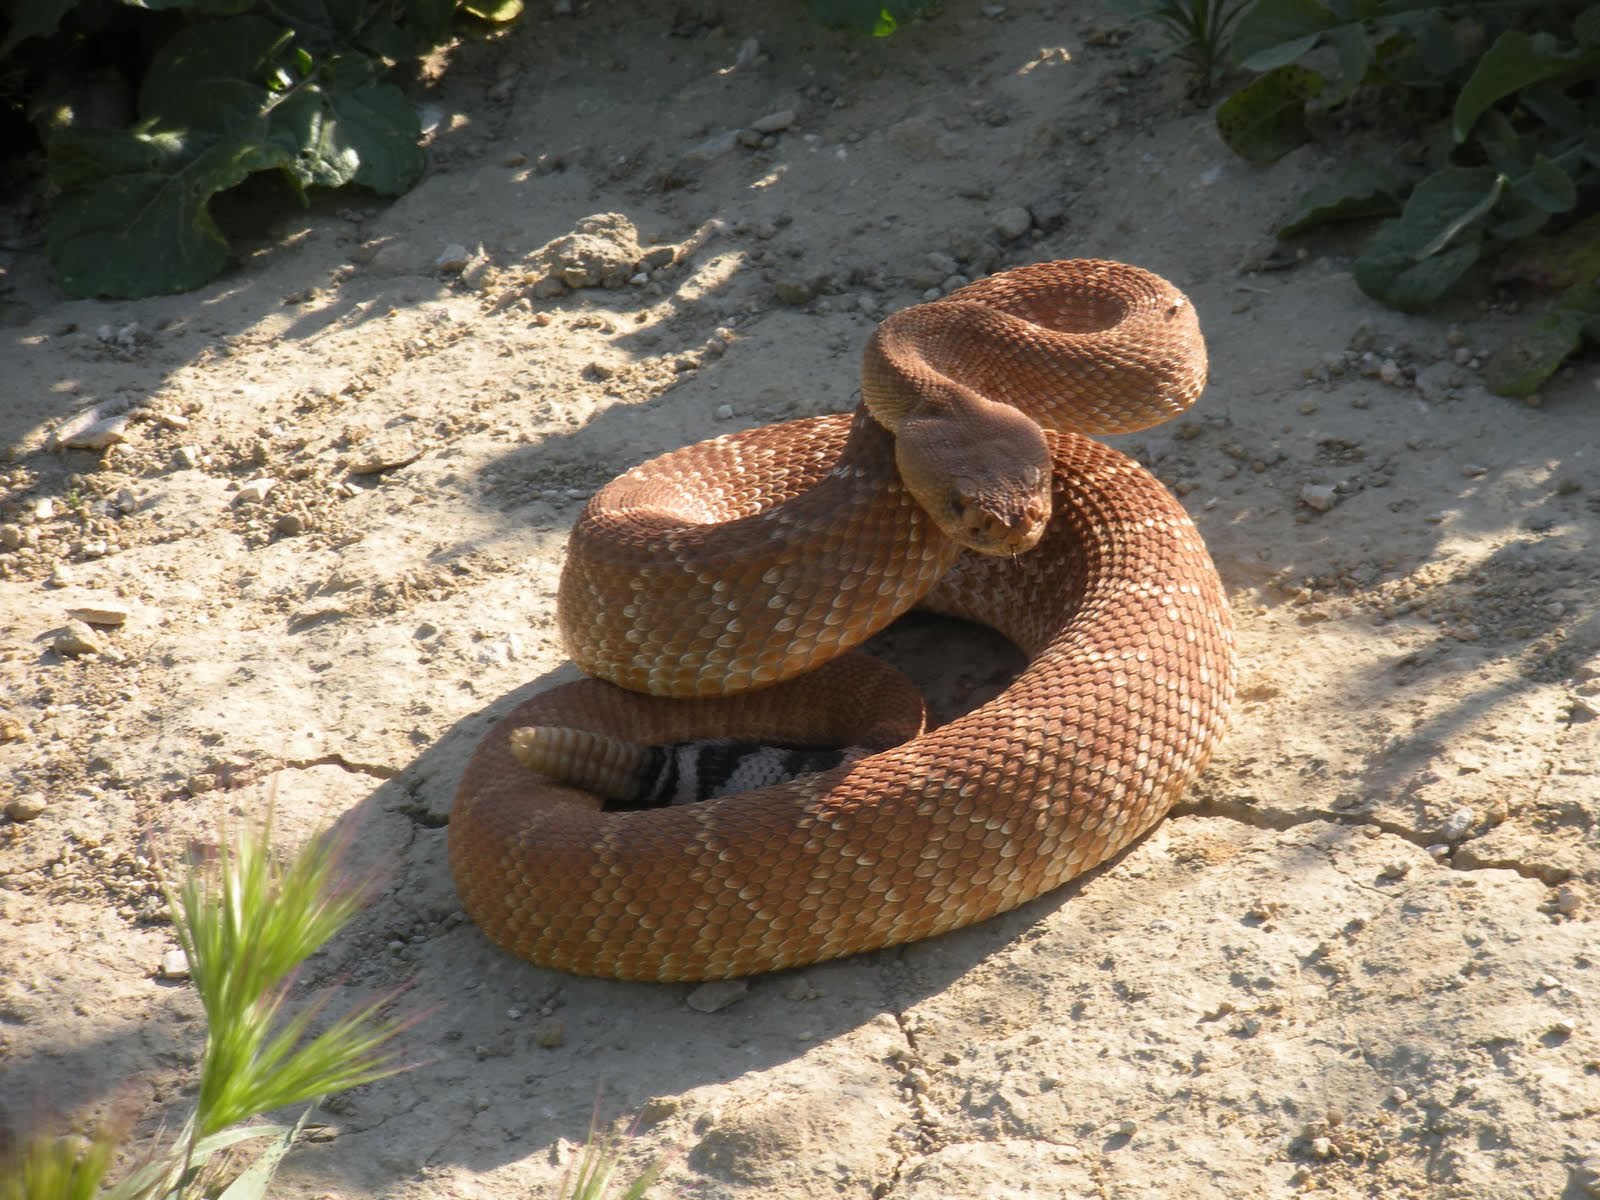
(1200, 32)
(587, 1176)
(865, 16)
(232, 88)
(1505, 100)
(246, 926)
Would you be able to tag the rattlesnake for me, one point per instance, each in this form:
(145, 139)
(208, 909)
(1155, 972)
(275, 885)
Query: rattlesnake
(732, 574)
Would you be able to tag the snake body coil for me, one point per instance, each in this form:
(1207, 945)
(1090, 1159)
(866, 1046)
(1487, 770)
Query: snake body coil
(734, 575)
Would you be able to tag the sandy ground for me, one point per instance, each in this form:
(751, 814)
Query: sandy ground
(1359, 961)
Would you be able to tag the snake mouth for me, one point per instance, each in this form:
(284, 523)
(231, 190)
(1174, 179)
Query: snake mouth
(981, 528)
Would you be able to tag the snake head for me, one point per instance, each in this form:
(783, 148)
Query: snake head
(985, 481)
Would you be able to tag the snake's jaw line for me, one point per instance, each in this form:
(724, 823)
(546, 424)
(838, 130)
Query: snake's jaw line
(740, 571)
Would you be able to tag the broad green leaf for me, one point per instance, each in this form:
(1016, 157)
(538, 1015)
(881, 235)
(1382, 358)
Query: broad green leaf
(325, 26)
(1453, 200)
(1547, 186)
(209, 8)
(1524, 362)
(1355, 57)
(1412, 260)
(430, 19)
(345, 126)
(1274, 33)
(1587, 27)
(1387, 268)
(375, 120)
(1560, 261)
(1514, 61)
(1359, 190)
(498, 12)
(1266, 118)
(211, 75)
(37, 18)
(149, 231)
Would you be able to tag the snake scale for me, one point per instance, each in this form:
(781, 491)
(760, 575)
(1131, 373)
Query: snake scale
(718, 590)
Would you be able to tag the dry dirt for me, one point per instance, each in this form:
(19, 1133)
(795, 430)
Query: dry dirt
(1361, 960)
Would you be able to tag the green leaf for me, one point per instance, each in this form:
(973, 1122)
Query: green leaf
(1355, 57)
(1358, 190)
(1411, 261)
(208, 8)
(1547, 187)
(1266, 118)
(145, 227)
(1587, 27)
(37, 18)
(430, 19)
(324, 26)
(1274, 33)
(211, 75)
(497, 12)
(1527, 359)
(864, 16)
(1514, 61)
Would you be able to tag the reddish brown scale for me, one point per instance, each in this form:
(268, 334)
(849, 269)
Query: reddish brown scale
(1128, 684)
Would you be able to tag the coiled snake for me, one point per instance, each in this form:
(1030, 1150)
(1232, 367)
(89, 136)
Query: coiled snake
(733, 574)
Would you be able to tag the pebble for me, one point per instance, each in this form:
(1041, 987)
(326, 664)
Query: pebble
(189, 457)
(27, 806)
(550, 1032)
(92, 429)
(76, 639)
(1013, 222)
(1473, 470)
(1320, 497)
(1455, 826)
(384, 450)
(452, 258)
(107, 614)
(717, 995)
(254, 491)
(775, 122)
(174, 964)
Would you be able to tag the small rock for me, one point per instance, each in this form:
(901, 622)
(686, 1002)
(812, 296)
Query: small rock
(1048, 214)
(290, 524)
(452, 258)
(718, 145)
(1322, 1147)
(383, 450)
(716, 995)
(792, 289)
(1473, 470)
(94, 429)
(174, 964)
(189, 457)
(254, 491)
(550, 1032)
(1319, 497)
(1012, 223)
(27, 806)
(749, 52)
(44, 509)
(62, 576)
(775, 122)
(77, 639)
(106, 614)
(1455, 826)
